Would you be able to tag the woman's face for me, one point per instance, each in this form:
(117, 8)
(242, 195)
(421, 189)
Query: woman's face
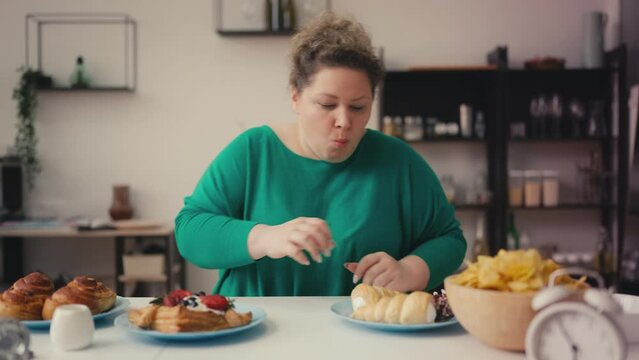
(333, 111)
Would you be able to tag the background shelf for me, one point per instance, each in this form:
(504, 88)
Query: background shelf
(472, 207)
(112, 66)
(560, 140)
(567, 206)
(90, 89)
(448, 140)
(255, 33)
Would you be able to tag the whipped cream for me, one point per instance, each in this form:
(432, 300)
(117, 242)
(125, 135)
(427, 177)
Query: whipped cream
(194, 303)
(431, 313)
(358, 302)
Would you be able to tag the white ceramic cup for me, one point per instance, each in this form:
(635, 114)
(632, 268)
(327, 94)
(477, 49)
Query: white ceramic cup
(72, 327)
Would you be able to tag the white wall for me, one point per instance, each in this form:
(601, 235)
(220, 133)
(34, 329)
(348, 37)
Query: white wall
(198, 90)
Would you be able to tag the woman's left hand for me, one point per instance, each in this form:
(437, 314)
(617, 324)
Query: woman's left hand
(380, 269)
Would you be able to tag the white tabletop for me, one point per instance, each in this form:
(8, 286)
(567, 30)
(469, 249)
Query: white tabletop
(295, 328)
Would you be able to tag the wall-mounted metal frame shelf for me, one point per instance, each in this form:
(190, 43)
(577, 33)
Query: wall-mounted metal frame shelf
(37, 23)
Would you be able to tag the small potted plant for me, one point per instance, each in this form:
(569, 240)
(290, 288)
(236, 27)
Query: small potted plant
(26, 140)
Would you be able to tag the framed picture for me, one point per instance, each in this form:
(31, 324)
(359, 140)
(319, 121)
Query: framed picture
(242, 15)
(306, 10)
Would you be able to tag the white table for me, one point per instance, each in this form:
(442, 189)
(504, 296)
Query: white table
(295, 328)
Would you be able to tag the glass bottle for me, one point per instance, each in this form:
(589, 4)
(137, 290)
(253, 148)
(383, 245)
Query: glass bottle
(419, 127)
(388, 128)
(543, 112)
(465, 120)
(516, 188)
(533, 123)
(412, 130)
(577, 111)
(480, 125)
(269, 15)
(398, 127)
(449, 187)
(480, 246)
(596, 120)
(288, 15)
(431, 123)
(532, 188)
(79, 77)
(524, 241)
(275, 15)
(550, 188)
(512, 242)
(605, 259)
(555, 115)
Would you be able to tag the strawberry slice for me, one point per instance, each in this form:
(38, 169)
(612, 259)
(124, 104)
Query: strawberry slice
(175, 297)
(216, 302)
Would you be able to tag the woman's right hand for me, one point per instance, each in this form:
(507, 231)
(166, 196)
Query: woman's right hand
(291, 239)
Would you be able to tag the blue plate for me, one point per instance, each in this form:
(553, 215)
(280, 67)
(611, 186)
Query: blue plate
(258, 316)
(120, 305)
(343, 310)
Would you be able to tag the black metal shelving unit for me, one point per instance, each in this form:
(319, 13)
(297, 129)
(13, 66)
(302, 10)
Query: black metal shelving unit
(438, 93)
(503, 96)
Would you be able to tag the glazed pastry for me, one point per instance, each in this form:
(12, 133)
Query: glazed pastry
(81, 290)
(189, 313)
(25, 298)
(396, 308)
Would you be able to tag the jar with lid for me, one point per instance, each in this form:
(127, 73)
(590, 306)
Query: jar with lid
(388, 127)
(516, 188)
(429, 130)
(412, 130)
(532, 188)
(550, 189)
(449, 187)
(398, 127)
(465, 120)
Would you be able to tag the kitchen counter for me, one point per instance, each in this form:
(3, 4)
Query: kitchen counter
(295, 328)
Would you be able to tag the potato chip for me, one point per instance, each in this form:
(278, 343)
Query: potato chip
(515, 271)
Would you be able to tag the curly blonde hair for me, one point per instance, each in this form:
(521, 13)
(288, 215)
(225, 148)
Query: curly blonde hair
(332, 41)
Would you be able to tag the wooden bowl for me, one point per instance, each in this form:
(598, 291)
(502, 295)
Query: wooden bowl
(497, 318)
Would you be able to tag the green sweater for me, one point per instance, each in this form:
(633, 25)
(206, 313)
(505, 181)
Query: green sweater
(384, 197)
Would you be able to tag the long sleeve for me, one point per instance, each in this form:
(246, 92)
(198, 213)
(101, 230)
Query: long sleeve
(209, 230)
(439, 240)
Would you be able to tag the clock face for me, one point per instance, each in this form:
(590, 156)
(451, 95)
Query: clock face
(573, 331)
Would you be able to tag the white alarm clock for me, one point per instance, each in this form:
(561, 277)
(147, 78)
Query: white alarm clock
(575, 330)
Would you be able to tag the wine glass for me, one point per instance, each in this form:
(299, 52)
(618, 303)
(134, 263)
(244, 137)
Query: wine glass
(577, 114)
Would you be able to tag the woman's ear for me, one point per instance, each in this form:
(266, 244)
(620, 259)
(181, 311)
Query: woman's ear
(295, 99)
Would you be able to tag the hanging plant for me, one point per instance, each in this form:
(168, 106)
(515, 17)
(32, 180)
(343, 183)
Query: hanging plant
(26, 141)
